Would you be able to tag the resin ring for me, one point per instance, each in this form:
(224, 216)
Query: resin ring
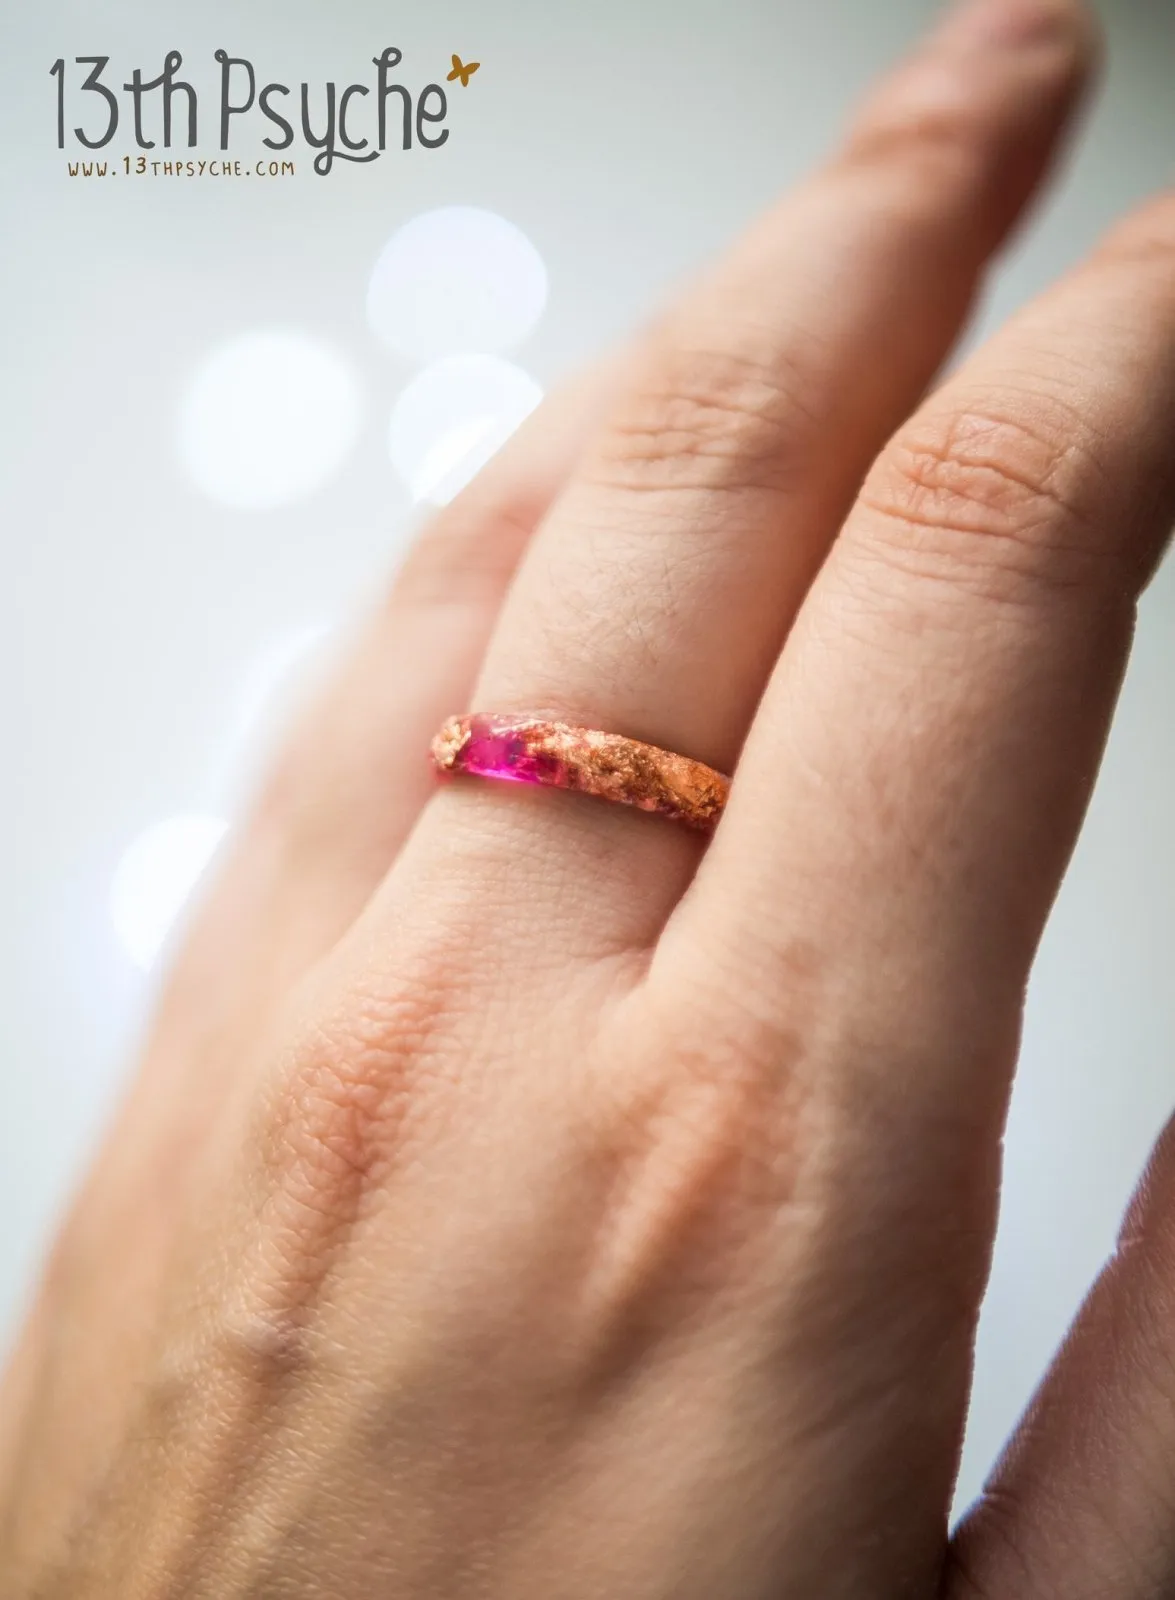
(522, 747)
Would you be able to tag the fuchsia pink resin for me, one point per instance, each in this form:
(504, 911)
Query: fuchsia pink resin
(525, 748)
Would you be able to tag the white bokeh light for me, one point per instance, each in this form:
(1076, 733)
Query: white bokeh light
(452, 418)
(155, 879)
(455, 280)
(267, 419)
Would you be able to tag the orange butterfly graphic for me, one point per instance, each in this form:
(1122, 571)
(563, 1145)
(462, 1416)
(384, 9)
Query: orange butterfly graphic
(462, 71)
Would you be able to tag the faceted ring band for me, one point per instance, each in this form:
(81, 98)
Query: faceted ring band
(523, 747)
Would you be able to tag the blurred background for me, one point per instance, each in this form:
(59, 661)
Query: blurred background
(227, 403)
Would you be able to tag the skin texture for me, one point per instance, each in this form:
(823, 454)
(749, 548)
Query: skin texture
(518, 1194)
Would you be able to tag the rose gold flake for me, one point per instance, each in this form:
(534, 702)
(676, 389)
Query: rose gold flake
(524, 748)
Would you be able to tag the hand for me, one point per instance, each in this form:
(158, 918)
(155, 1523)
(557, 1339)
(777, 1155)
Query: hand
(518, 1198)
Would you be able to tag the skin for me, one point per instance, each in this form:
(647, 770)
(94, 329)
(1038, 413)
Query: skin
(519, 1196)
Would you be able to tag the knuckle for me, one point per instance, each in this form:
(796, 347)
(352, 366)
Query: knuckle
(725, 1130)
(998, 504)
(266, 1345)
(917, 123)
(710, 413)
(937, 142)
(691, 1155)
(714, 1091)
(341, 1117)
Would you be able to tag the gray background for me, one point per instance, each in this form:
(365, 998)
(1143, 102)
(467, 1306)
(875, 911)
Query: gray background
(627, 140)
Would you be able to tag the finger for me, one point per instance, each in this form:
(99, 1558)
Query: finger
(864, 924)
(352, 779)
(924, 753)
(1080, 1505)
(656, 596)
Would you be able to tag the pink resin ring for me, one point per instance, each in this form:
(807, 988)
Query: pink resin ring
(522, 747)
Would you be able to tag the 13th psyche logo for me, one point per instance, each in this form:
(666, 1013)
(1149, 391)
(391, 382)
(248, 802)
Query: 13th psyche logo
(173, 112)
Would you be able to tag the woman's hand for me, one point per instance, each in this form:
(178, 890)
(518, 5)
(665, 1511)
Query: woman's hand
(518, 1199)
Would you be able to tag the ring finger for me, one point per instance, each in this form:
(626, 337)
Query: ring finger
(656, 597)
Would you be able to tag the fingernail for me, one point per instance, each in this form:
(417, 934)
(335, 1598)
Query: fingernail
(1008, 22)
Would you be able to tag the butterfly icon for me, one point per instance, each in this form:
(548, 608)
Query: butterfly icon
(462, 71)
